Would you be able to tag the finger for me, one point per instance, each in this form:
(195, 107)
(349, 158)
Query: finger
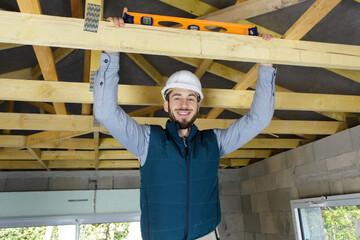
(121, 22)
(110, 19)
(125, 10)
(116, 22)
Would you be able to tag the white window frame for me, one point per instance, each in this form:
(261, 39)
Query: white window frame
(324, 201)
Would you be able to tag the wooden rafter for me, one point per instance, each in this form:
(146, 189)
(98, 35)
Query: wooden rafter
(32, 90)
(43, 53)
(167, 42)
(52, 122)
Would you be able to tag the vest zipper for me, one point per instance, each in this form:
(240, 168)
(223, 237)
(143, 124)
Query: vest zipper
(187, 158)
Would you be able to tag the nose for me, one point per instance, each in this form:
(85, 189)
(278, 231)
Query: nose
(184, 104)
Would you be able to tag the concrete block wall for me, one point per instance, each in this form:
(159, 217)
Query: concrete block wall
(329, 166)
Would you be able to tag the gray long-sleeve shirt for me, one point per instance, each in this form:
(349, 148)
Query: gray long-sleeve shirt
(135, 137)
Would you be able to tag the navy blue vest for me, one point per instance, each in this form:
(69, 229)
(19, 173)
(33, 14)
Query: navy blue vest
(179, 192)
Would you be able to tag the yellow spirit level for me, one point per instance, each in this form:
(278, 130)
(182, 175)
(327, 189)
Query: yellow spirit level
(187, 23)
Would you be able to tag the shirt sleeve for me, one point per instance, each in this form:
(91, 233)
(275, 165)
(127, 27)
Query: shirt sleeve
(256, 120)
(133, 136)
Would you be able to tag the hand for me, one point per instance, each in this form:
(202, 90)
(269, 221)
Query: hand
(266, 37)
(118, 21)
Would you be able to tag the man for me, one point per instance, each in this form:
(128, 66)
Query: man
(179, 192)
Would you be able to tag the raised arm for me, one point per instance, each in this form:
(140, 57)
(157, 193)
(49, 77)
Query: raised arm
(256, 120)
(121, 126)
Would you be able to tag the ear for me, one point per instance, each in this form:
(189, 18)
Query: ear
(166, 106)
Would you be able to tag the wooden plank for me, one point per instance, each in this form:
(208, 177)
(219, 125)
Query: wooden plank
(317, 11)
(195, 7)
(65, 32)
(20, 165)
(32, 90)
(8, 108)
(69, 143)
(234, 162)
(249, 154)
(49, 136)
(203, 67)
(4, 46)
(96, 149)
(43, 53)
(76, 8)
(12, 141)
(25, 73)
(146, 67)
(43, 106)
(24, 121)
(37, 154)
(145, 111)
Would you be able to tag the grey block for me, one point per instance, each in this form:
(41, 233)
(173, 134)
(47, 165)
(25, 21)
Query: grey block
(355, 137)
(248, 186)
(265, 183)
(315, 168)
(333, 145)
(229, 175)
(233, 236)
(351, 185)
(347, 160)
(2, 184)
(234, 222)
(275, 223)
(299, 156)
(230, 204)
(105, 183)
(284, 178)
(26, 184)
(230, 188)
(257, 169)
(70, 183)
(314, 189)
(246, 204)
(127, 182)
(243, 173)
(252, 222)
(336, 187)
(260, 202)
(279, 200)
(275, 163)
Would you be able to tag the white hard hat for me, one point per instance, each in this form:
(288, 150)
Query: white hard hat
(183, 79)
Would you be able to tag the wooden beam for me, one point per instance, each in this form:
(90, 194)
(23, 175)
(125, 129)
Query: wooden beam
(234, 162)
(43, 54)
(76, 8)
(43, 106)
(203, 67)
(145, 111)
(146, 67)
(195, 7)
(9, 108)
(96, 149)
(37, 154)
(34, 140)
(317, 11)
(40, 91)
(65, 32)
(12, 141)
(111, 143)
(243, 10)
(25, 73)
(50, 122)
(4, 46)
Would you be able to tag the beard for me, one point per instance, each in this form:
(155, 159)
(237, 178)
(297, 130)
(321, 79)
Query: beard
(184, 124)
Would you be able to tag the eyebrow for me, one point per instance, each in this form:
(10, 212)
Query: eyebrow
(178, 94)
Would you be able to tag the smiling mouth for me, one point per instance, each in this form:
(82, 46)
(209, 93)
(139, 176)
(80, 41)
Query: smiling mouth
(183, 114)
